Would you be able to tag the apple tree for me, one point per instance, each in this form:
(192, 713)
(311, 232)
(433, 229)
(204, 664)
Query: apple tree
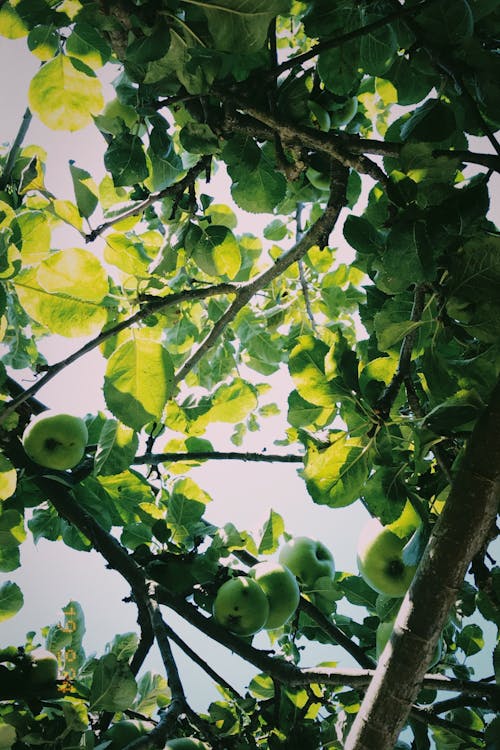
(367, 125)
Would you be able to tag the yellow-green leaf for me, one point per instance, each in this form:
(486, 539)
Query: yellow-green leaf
(65, 294)
(139, 381)
(75, 272)
(63, 97)
(8, 478)
(11, 24)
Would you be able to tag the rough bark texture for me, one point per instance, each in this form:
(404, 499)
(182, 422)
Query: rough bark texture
(459, 534)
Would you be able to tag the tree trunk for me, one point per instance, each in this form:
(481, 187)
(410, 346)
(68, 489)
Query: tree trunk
(458, 535)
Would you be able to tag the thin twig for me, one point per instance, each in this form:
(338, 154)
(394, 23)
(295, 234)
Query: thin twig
(300, 263)
(172, 190)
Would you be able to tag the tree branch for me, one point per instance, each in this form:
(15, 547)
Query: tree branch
(317, 235)
(175, 190)
(350, 35)
(457, 536)
(155, 304)
(153, 459)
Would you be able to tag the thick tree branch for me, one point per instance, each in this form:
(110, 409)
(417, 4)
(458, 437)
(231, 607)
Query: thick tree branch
(457, 536)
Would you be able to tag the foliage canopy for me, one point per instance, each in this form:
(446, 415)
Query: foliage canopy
(350, 115)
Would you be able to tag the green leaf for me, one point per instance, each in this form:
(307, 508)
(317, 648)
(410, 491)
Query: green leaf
(152, 693)
(116, 448)
(63, 97)
(378, 50)
(139, 381)
(335, 475)
(186, 506)
(45, 523)
(362, 235)
(217, 252)
(86, 193)
(11, 25)
(358, 592)
(36, 234)
(65, 291)
(198, 138)
(339, 68)
(11, 600)
(85, 43)
(230, 403)
(307, 368)
(271, 532)
(10, 559)
(8, 478)
(135, 534)
(113, 685)
(150, 47)
(43, 42)
(260, 190)
(237, 24)
(128, 254)
(470, 639)
(12, 531)
(126, 160)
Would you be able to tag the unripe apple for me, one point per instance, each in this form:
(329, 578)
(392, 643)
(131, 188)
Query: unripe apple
(380, 560)
(7, 736)
(44, 666)
(241, 606)
(186, 743)
(55, 440)
(282, 590)
(308, 559)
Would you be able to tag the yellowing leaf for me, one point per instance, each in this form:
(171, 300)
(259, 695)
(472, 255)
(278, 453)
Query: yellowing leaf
(59, 312)
(63, 97)
(75, 272)
(11, 24)
(8, 478)
(139, 381)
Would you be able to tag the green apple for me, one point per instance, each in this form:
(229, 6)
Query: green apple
(123, 732)
(308, 559)
(241, 606)
(380, 560)
(55, 440)
(324, 594)
(282, 590)
(186, 743)
(7, 736)
(44, 666)
(383, 634)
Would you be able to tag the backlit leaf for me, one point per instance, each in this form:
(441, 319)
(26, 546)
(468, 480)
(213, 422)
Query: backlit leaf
(63, 97)
(138, 382)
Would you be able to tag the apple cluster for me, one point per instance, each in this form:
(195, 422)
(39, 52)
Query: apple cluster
(55, 440)
(269, 595)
